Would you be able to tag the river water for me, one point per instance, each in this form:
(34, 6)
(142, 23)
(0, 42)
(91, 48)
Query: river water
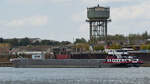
(10, 75)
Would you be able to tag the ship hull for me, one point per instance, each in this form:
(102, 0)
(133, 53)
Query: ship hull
(56, 63)
(65, 63)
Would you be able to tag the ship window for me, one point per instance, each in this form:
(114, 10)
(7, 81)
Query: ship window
(107, 60)
(119, 50)
(110, 60)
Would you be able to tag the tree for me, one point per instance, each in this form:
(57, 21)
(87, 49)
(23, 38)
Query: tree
(1, 40)
(54, 43)
(45, 42)
(143, 47)
(65, 42)
(83, 46)
(36, 43)
(14, 42)
(98, 47)
(115, 46)
(145, 35)
(24, 42)
(80, 40)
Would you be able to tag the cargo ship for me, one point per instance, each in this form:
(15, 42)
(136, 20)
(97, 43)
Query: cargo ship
(113, 58)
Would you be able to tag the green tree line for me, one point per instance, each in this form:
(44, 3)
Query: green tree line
(27, 41)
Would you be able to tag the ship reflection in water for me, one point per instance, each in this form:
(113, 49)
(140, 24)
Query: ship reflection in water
(74, 75)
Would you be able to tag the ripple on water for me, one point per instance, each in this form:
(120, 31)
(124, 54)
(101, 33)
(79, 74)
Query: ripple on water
(74, 75)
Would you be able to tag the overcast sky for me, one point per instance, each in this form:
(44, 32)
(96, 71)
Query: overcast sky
(65, 19)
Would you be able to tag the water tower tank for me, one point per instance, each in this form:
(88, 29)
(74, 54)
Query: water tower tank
(98, 12)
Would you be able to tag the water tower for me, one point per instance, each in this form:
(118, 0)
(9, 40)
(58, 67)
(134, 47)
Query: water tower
(98, 18)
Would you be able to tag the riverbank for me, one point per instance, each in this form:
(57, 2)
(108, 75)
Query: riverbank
(6, 64)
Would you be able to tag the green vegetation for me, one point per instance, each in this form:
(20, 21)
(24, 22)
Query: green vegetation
(131, 39)
(145, 47)
(84, 46)
(114, 41)
(98, 47)
(27, 41)
(115, 46)
(80, 40)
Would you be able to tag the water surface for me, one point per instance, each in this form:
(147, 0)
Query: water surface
(10, 75)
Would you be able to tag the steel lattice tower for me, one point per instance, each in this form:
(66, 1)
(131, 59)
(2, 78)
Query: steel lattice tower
(98, 18)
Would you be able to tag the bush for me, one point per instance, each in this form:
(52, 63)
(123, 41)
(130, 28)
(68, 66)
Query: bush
(115, 46)
(98, 47)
